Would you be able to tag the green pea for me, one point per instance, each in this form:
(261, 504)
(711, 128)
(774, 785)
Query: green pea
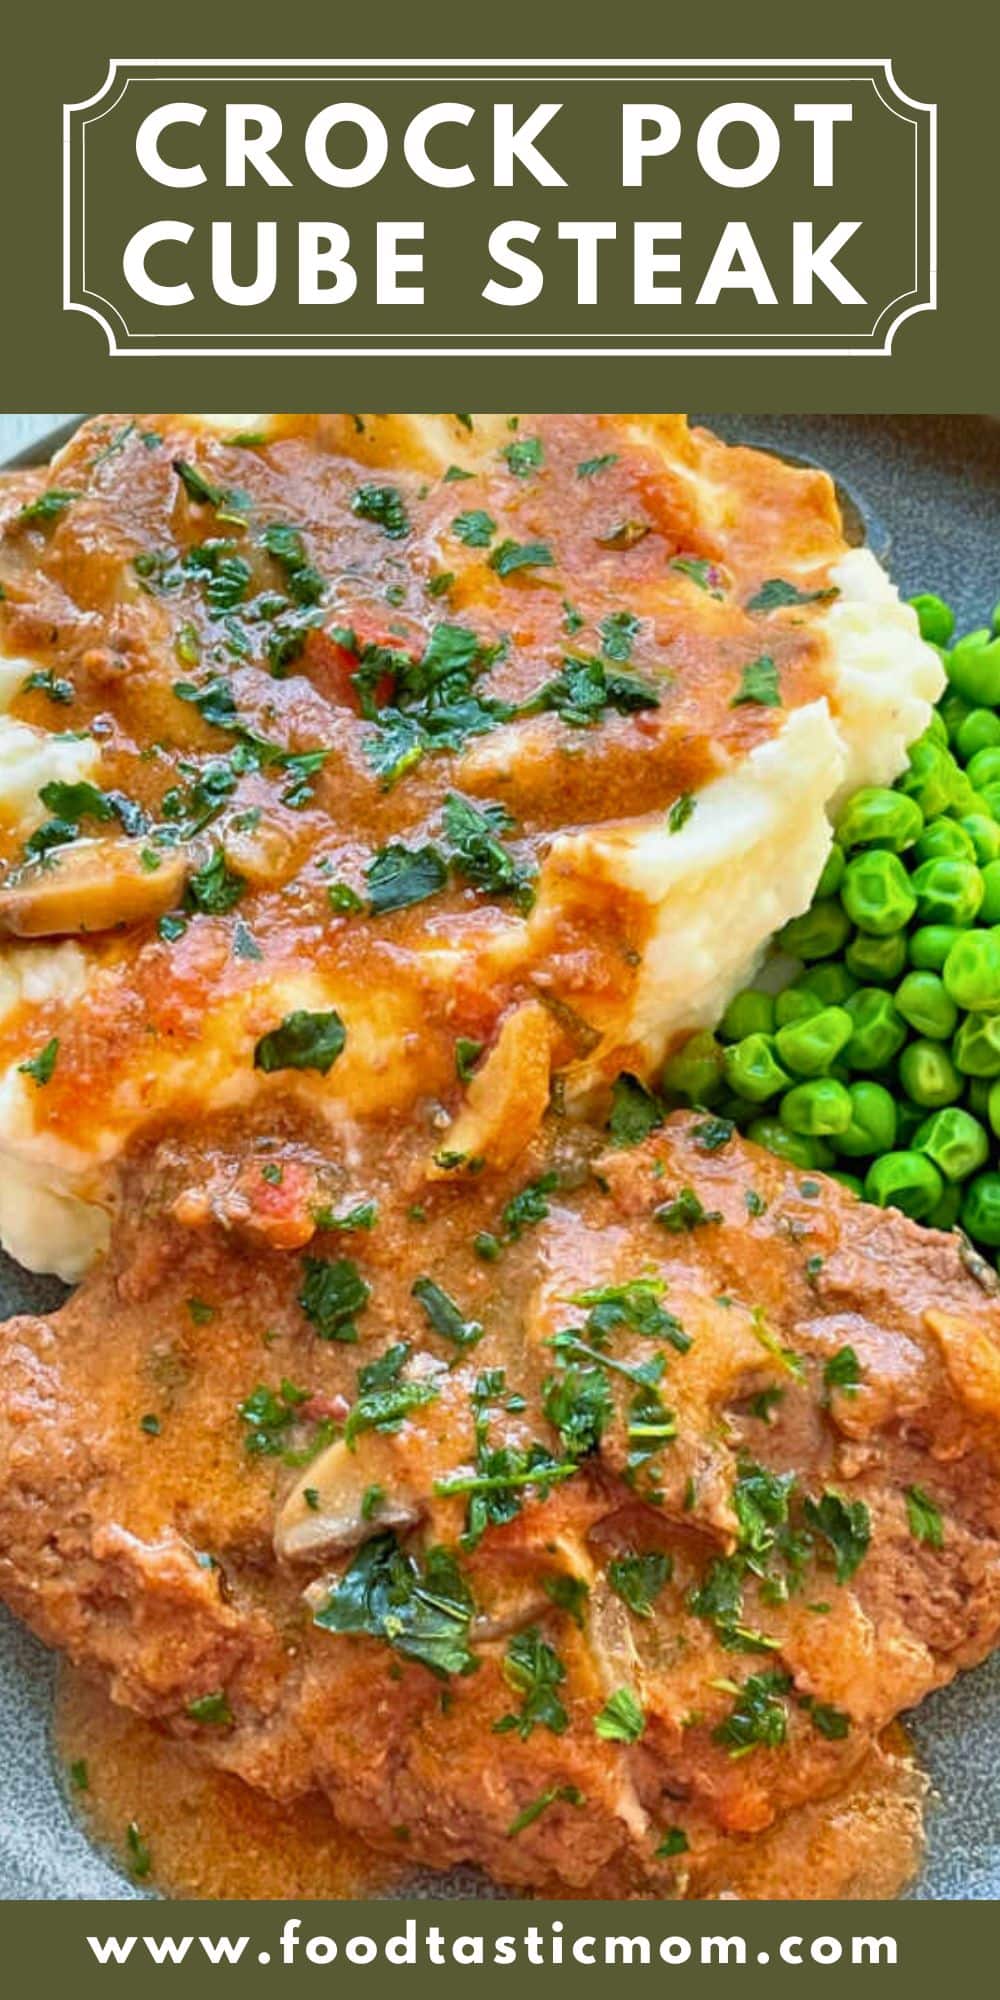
(821, 932)
(971, 971)
(794, 1146)
(993, 1108)
(929, 946)
(984, 766)
(944, 840)
(976, 1047)
(753, 1070)
(948, 892)
(795, 1003)
(974, 668)
(879, 1031)
(906, 1180)
(937, 728)
(945, 1215)
(848, 1181)
(980, 1210)
(984, 834)
(876, 961)
(931, 778)
(979, 729)
(873, 1122)
(808, 1047)
(833, 873)
(953, 709)
(816, 1109)
(956, 1142)
(988, 796)
(831, 982)
(989, 908)
(935, 618)
(748, 1013)
(926, 1003)
(928, 1075)
(876, 893)
(877, 817)
(695, 1070)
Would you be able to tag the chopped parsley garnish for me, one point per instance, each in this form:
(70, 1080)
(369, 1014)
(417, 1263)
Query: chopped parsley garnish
(385, 506)
(713, 1133)
(586, 690)
(433, 705)
(423, 1613)
(622, 1719)
(700, 571)
(303, 1041)
(43, 681)
(400, 876)
(363, 1215)
(333, 1293)
(200, 1313)
(476, 528)
(634, 1305)
(680, 812)
(639, 1579)
(567, 1795)
(467, 1054)
(510, 556)
(40, 1067)
(619, 631)
(214, 889)
(269, 1415)
(685, 1211)
(674, 1841)
(843, 1371)
(49, 505)
(213, 1708)
(444, 1315)
(476, 851)
(569, 1594)
(635, 1111)
(285, 544)
(830, 1722)
(76, 802)
(79, 1775)
(384, 1399)
(759, 685)
(589, 467)
(523, 456)
(777, 591)
(140, 1860)
(343, 899)
(925, 1521)
(533, 1670)
(760, 1715)
(579, 1406)
(573, 620)
(845, 1525)
(528, 1206)
(150, 1424)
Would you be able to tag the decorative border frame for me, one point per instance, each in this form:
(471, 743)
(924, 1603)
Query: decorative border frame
(921, 297)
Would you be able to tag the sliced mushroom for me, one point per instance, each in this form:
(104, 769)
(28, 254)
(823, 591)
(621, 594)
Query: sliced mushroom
(507, 1099)
(92, 885)
(325, 1512)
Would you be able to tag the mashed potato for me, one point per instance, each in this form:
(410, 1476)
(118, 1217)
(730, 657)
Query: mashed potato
(696, 905)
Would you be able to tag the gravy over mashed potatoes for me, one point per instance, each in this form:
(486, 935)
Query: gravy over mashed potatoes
(445, 762)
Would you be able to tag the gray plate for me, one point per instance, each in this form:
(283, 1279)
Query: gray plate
(928, 489)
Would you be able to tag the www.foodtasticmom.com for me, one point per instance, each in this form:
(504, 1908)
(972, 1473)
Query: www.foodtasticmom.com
(549, 1945)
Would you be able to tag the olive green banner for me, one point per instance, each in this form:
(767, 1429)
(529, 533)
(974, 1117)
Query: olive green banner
(715, 206)
(454, 1948)
(754, 209)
